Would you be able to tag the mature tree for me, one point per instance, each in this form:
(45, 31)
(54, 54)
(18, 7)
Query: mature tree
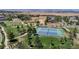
(3, 24)
(29, 30)
(37, 23)
(71, 37)
(29, 38)
(29, 34)
(74, 32)
(58, 18)
(66, 19)
(38, 43)
(34, 31)
(77, 19)
(71, 22)
(13, 40)
(9, 18)
(18, 28)
(24, 17)
(11, 35)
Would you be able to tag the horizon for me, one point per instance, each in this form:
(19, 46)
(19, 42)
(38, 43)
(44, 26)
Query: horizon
(42, 10)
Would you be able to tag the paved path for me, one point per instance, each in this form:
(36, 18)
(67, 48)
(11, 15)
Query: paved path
(66, 29)
(0, 38)
(6, 38)
(21, 35)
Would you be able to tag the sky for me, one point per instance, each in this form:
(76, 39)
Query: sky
(39, 4)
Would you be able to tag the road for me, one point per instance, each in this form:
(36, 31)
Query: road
(0, 38)
(6, 38)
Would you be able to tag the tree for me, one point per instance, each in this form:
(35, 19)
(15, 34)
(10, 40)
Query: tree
(3, 24)
(66, 19)
(24, 17)
(37, 23)
(74, 32)
(34, 31)
(29, 34)
(18, 27)
(71, 38)
(9, 18)
(38, 43)
(52, 44)
(11, 35)
(29, 39)
(13, 40)
(58, 18)
(29, 30)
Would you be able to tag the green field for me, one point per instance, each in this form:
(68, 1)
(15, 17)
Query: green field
(13, 28)
(51, 42)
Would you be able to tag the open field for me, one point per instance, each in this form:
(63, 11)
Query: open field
(46, 13)
(49, 14)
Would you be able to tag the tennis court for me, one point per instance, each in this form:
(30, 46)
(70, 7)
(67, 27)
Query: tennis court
(50, 31)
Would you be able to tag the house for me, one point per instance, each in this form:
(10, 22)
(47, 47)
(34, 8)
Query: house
(52, 22)
(73, 19)
(51, 19)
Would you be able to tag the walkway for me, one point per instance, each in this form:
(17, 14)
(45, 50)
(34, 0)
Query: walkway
(6, 38)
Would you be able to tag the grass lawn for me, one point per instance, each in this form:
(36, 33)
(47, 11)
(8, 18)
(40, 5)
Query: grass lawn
(46, 41)
(10, 28)
(51, 42)
(13, 28)
(56, 42)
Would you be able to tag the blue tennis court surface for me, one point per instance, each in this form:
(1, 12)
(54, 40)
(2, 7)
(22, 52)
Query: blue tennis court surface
(50, 31)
